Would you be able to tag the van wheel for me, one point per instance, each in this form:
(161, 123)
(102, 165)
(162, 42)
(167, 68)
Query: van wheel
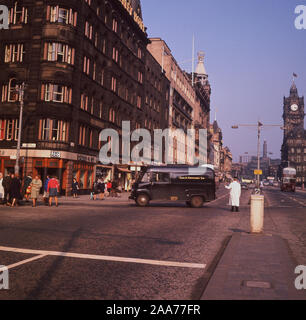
(142, 200)
(197, 202)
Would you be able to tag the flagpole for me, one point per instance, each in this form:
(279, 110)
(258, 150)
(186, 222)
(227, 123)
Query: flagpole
(294, 76)
(193, 60)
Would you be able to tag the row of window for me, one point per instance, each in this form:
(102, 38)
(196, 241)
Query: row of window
(18, 14)
(58, 130)
(153, 103)
(57, 14)
(55, 51)
(89, 34)
(298, 150)
(123, 92)
(85, 136)
(49, 130)
(90, 67)
(53, 130)
(59, 52)
(9, 92)
(87, 104)
(9, 129)
(60, 94)
(297, 158)
(56, 93)
(14, 53)
(183, 84)
(301, 169)
(49, 92)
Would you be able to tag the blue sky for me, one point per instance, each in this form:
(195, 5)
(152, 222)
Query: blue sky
(252, 48)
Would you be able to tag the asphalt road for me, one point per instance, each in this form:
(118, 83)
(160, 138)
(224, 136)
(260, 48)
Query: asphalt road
(165, 251)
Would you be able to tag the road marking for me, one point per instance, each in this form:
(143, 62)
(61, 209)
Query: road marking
(11, 266)
(291, 198)
(105, 258)
(219, 198)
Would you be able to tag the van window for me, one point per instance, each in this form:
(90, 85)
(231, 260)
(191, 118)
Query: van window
(160, 177)
(146, 177)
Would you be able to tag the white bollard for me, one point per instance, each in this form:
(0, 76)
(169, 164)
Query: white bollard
(257, 213)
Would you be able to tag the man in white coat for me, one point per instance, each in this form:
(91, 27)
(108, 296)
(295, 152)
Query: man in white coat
(235, 194)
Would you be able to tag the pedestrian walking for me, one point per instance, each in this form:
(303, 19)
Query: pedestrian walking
(1, 189)
(36, 185)
(46, 193)
(53, 189)
(95, 190)
(109, 187)
(15, 194)
(27, 187)
(101, 188)
(235, 193)
(7, 182)
(114, 190)
(75, 188)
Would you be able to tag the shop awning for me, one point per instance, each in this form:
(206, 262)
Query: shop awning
(124, 170)
(103, 166)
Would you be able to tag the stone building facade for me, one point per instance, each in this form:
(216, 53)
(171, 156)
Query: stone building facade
(85, 66)
(189, 103)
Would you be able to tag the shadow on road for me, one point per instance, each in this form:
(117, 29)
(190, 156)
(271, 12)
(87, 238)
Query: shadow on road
(48, 276)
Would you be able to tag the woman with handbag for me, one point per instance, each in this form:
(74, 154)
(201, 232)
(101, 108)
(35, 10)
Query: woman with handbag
(36, 184)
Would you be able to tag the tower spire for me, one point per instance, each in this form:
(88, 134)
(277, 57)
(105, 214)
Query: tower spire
(200, 69)
(293, 89)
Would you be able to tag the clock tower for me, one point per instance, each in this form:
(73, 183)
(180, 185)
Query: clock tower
(293, 148)
(293, 111)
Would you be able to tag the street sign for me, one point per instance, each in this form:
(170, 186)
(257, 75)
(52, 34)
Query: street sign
(29, 145)
(258, 172)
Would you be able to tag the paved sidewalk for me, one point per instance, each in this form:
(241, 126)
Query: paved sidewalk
(254, 267)
(121, 197)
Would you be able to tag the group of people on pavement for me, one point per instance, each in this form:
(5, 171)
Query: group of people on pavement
(12, 190)
(100, 188)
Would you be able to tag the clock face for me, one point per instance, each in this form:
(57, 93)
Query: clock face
(294, 107)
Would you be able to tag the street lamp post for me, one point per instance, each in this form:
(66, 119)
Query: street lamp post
(20, 91)
(259, 126)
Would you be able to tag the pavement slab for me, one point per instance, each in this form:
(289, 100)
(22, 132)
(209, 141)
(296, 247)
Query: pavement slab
(254, 267)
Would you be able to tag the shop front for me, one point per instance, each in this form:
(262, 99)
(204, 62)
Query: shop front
(123, 177)
(104, 172)
(84, 174)
(7, 166)
(63, 165)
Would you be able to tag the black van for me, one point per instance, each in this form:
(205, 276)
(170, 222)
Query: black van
(195, 185)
